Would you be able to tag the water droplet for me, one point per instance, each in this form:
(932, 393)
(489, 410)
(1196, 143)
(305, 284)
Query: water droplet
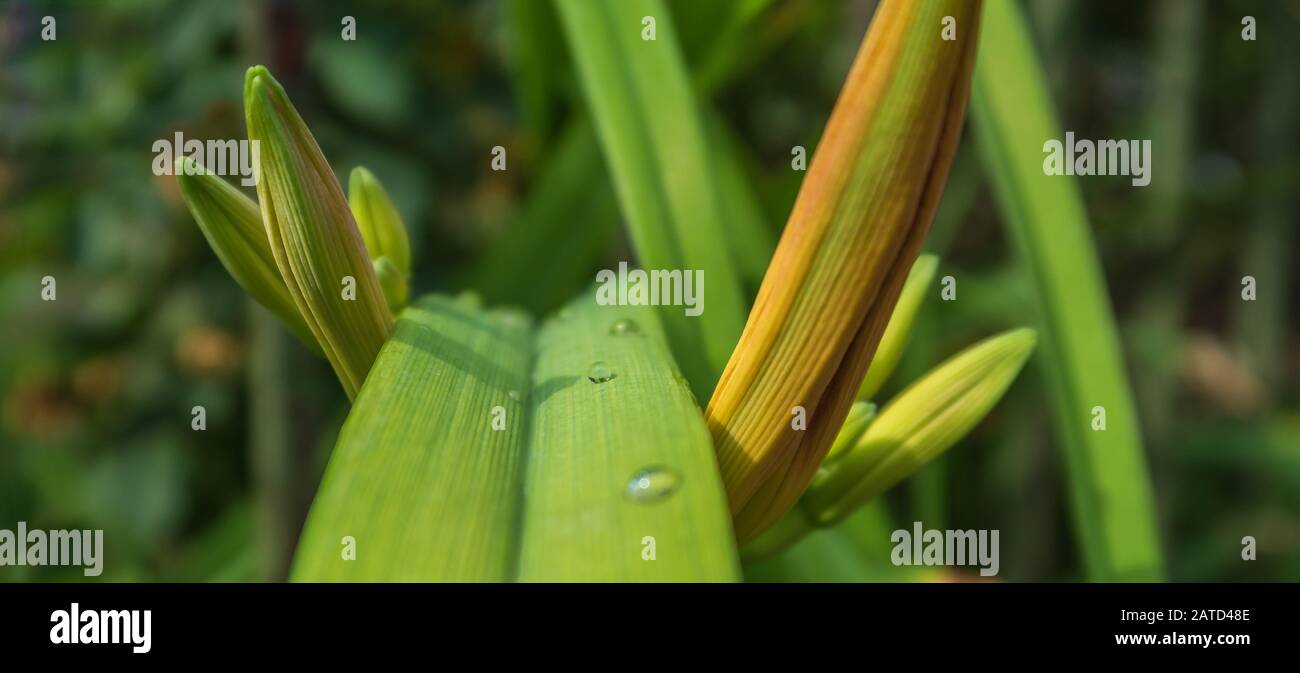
(652, 484)
(624, 327)
(514, 395)
(565, 313)
(599, 372)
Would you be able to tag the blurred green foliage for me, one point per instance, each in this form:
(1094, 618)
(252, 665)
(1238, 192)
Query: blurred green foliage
(96, 388)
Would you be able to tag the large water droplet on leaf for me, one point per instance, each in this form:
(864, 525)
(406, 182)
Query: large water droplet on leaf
(600, 372)
(624, 327)
(652, 484)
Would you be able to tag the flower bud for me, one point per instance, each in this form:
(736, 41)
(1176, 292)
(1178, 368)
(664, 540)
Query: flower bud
(313, 236)
(900, 325)
(380, 224)
(922, 422)
(232, 224)
(857, 226)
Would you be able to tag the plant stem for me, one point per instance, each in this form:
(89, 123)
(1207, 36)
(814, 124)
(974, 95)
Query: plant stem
(1111, 495)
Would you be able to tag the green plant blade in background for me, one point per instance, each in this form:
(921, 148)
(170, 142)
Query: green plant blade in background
(420, 479)
(572, 197)
(536, 65)
(622, 483)
(571, 202)
(748, 233)
(1111, 493)
(652, 135)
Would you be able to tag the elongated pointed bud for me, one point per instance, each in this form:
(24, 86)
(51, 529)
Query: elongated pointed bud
(921, 423)
(860, 416)
(863, 210)
(900, 325)
(232, 224)
(381, 225)
(925, 420)
(393, 283)
(314, 239)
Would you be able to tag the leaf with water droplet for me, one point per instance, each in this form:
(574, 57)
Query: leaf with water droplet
(600, 372)
(652, 484)
(624, 327)
(606, 462)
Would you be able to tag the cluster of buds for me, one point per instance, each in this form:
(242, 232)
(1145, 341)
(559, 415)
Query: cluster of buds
(334, 270)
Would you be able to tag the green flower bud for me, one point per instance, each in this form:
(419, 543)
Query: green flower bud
(860, 416)
(315, 241)
(922, 422)
(900, 325)
(393, 283)
(380, 224)
(232, 224)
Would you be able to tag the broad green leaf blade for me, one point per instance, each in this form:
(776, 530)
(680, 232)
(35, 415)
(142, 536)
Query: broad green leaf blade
(419, 479)
(650, 129)
(1111, 493)
(623, 468)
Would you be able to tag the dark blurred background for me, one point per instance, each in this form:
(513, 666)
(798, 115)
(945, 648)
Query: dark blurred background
(96, 388)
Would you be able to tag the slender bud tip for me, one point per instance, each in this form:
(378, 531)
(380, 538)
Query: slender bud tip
(1021, 341)
(255, 79)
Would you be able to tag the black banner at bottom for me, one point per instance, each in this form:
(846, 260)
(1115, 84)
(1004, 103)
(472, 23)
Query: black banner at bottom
(213, 623)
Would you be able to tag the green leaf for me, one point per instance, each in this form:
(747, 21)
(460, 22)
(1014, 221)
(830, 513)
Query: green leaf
(650, 129)
(428, 477)
(721, 38)
(536, 62)
(1111, 493)
(419, 479)
(749, 237)
(622, 467)
(572, 197)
